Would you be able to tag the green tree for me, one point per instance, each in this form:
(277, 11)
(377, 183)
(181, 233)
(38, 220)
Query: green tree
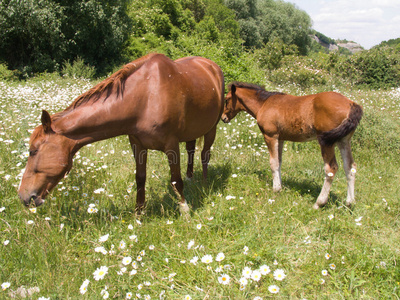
(31, 34)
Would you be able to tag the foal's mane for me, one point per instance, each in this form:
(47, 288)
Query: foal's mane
(115, 81)
(261, 93)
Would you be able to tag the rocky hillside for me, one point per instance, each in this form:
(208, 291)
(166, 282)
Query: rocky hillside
(353, 47)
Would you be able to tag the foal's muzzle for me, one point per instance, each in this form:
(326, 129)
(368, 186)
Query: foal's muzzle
(225, 118)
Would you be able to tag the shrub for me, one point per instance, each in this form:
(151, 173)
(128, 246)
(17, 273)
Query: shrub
(78, 69)
(6, 74)
(300, 71)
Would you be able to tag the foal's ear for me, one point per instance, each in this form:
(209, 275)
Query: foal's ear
(46, 122)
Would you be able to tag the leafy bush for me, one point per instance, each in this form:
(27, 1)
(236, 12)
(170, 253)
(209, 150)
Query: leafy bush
(6, 74)
(300, 71)
(78, 69)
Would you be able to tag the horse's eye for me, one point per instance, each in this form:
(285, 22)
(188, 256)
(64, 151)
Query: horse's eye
(32, 152)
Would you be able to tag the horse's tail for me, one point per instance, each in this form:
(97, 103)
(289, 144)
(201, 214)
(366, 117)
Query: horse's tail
(348, 125)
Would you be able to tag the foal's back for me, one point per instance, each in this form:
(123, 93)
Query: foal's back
(302, 118)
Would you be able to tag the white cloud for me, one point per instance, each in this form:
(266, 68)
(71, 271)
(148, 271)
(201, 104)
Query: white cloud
(367, 22)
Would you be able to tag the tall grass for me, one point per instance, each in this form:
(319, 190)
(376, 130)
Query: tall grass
(332, 253)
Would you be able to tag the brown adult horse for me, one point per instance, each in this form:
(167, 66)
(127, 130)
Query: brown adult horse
(328, 117)
(157, 102)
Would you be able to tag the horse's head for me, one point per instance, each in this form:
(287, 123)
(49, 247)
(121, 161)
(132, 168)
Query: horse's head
(50, 158)
(232, 105)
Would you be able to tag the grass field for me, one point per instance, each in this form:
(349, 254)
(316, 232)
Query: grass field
(240, 241)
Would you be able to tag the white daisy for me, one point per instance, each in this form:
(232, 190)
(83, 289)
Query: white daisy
(220, 256)
(104, 238)
(206, 259)
(264, 269)
(100, 273)
(126, 260)
(274, 289)
(256, 275)
(246, 273)
(224, 279)
(279, 274)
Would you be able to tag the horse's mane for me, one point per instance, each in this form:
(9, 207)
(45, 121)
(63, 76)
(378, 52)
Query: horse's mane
(115, 81)
(262, 94)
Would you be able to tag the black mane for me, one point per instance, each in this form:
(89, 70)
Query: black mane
(261, 92)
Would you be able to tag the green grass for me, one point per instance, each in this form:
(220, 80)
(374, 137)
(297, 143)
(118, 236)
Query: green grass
(280, 230)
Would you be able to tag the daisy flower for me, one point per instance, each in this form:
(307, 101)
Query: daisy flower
(324, 272)
(274, 289)
(5, 285)
(327, 256)
(220, 257)
(190, 244)
(187, 297)
(224, 279)
(258, 298)
(332, 266)
(129, 295)
(122, 244)
(194, 260)
(33, 210)
(279, 274)
(243, 281)
(246, 273)
(104, 238)
(206, 259)
(256, 275)
(198, 226)
(83, 288)
(264, 269)
(100, 273)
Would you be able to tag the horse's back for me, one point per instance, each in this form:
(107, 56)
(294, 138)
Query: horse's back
(330, 110)
(182, 99)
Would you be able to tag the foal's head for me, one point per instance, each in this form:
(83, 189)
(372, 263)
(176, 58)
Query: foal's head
(50, 158)
(232, 105)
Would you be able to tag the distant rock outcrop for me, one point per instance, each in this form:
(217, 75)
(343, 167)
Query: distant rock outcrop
(352, 46)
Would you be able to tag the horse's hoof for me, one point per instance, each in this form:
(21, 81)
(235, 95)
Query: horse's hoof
(316, 206)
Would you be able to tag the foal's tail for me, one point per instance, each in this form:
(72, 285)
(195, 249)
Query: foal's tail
(348, 125)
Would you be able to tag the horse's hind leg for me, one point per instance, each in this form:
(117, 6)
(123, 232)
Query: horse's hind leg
(140, 154)
(190, 148)
(209, 138)
(349, 167)
(173, 154)
(331, 167)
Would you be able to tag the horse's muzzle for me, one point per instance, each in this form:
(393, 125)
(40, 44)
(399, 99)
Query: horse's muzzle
(33, 199)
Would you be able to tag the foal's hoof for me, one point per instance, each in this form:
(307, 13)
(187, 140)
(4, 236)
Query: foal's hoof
(316, 206)
(184, 208)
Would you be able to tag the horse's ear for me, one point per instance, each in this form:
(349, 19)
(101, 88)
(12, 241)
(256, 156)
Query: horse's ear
(46, 122)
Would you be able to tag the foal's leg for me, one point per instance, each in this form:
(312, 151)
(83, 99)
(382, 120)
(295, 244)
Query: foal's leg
(173, 154)
(275, 147)
(140, 154)
(331, 167)
(349, 167)
(190, 148)
(209, 138)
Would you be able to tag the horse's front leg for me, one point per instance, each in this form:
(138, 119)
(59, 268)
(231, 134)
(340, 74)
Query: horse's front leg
(173, 155)
(140, 154)
(331, 167)
(275, 147)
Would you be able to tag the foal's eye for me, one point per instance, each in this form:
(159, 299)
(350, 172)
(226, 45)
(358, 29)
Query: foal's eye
(32, 152)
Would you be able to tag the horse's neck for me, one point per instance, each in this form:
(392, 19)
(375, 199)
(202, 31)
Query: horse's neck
(250, 102)
(90, 123)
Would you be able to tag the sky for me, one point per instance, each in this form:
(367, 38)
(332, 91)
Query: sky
(367, 22)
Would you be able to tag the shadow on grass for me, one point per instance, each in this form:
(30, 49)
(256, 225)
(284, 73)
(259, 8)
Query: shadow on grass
(310, 189)
(196, 191)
